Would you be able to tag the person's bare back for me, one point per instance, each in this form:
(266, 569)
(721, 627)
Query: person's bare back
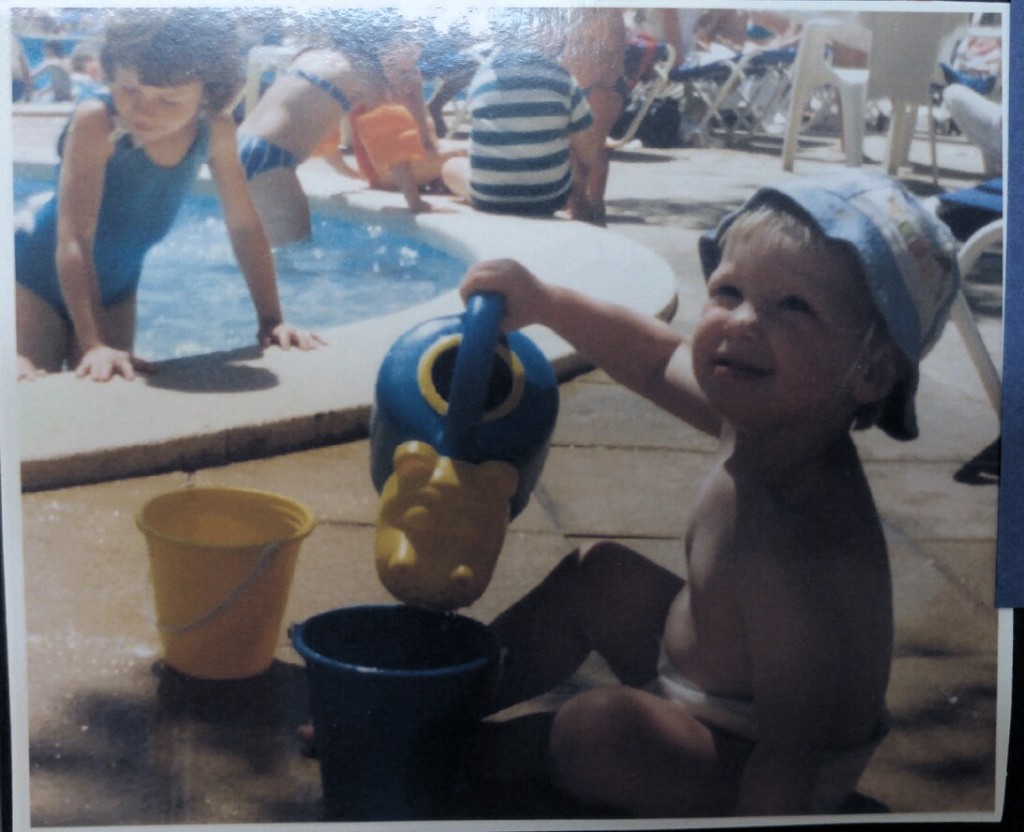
(295, 113)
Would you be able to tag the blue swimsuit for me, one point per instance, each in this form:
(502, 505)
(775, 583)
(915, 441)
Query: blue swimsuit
(324, 85)
(259, 155)
(139, 204)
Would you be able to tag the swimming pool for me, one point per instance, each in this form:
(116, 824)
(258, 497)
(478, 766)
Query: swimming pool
(216, 407)
(193, 300)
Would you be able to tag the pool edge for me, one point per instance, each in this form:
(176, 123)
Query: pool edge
(225, 407)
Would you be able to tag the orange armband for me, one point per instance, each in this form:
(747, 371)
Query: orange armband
(390, 136)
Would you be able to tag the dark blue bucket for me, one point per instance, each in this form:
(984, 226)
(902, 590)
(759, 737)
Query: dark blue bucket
(395, 693)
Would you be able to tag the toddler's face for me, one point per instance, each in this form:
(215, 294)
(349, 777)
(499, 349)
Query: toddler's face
(150, 113)
(779, 332)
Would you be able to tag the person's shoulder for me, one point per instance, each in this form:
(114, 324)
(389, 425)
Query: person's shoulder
(93, 107)
(220, 124)
(93, 118)
(222, 131)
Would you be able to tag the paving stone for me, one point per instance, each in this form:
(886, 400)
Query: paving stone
(620, 492)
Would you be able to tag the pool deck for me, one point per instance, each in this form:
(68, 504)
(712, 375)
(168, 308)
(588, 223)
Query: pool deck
(291, 400)
(117, 739)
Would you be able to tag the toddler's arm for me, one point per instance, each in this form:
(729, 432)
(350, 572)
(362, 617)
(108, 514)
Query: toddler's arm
(642, 353)
(249, 240)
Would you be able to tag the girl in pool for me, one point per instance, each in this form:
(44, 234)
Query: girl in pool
(364, 70)
(128, 158)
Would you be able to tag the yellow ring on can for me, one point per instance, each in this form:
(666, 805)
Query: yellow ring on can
(424, 374)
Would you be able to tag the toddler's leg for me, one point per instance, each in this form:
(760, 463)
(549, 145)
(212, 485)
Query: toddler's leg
(609, 599)
(44, 337)
(634, 751)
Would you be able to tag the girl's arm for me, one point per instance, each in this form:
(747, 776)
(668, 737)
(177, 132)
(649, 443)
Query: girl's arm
(249, 240)
(640, 352)
(86, 151)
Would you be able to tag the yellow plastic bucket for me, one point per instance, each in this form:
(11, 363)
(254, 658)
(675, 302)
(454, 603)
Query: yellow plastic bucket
(222, 562)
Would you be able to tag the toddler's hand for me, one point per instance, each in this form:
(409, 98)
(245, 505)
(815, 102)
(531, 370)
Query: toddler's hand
(525, 295)
(102, 363)
(288, 336)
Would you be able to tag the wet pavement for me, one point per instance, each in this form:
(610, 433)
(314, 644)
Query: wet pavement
(116, 738)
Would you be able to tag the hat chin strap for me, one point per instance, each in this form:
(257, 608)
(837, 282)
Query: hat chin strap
(856, 361)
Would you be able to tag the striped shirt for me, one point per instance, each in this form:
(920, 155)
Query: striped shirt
(523, 108)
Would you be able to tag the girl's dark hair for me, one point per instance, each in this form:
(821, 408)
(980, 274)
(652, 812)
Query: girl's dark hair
(171, 47)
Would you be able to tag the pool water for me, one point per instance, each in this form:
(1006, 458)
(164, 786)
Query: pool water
(193, 299)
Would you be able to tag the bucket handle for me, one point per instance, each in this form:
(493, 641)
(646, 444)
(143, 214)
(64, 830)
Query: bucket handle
(471, 376)
(262, 565)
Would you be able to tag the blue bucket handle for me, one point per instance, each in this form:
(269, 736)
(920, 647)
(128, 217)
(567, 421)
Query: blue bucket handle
(471, 376)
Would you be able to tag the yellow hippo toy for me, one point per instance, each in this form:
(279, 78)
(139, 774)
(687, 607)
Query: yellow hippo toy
(441, 526)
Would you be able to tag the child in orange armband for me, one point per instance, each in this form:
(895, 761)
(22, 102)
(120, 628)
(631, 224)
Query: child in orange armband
(386, 143)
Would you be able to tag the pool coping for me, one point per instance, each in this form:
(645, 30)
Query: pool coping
(227, 406)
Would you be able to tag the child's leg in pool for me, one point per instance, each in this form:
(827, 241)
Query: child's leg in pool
(44, 337)
(282, 205)
(608, 599)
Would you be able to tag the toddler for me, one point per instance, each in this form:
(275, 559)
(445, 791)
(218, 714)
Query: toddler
(757, 685)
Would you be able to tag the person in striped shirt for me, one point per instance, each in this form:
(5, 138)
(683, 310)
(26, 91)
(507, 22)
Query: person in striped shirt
(528, 119)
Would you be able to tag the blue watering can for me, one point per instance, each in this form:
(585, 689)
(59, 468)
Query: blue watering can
(459, 432)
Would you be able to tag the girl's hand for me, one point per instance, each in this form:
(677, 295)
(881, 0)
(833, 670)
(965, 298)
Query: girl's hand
(287, 337)
(27, 371)
(102, 363)
(526, 297)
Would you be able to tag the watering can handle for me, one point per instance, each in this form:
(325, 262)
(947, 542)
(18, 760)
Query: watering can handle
(471, 376)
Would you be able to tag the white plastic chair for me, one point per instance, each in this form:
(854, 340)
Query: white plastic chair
(905, 51)
(749, 89)
(812, 70)
(960, 313)
(648, 91)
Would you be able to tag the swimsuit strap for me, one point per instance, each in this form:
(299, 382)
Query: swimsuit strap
(326, 86)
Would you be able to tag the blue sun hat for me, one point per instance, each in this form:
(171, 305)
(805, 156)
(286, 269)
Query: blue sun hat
(907, 256)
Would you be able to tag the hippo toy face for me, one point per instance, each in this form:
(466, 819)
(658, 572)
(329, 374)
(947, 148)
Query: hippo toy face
(441, 526)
